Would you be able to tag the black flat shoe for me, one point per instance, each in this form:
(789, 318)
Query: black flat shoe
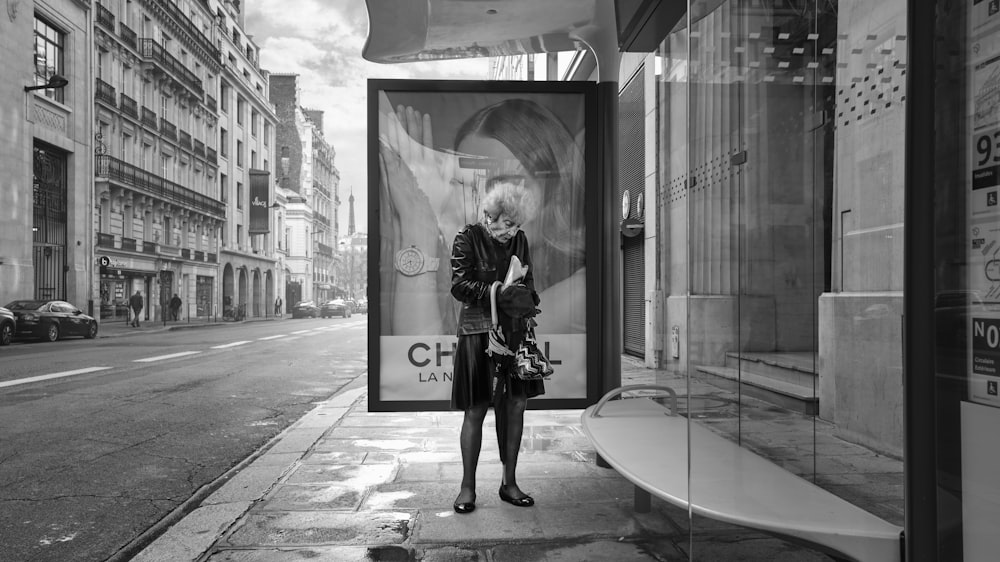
(465, 507)
(526, 501)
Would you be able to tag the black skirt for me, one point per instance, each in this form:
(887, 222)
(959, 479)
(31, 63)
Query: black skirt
(473, 380)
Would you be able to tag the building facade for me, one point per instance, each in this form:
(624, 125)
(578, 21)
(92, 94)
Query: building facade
(250, 272)
(46, 191)
(181, 123)
(310, 182)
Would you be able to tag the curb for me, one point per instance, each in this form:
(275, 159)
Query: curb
(149, 537)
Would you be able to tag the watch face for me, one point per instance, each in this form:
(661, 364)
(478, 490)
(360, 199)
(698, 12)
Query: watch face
(409, 261)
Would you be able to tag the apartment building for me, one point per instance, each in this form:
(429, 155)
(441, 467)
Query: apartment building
(247, 124)
(310, 181)
(46, 190)
(181, 126)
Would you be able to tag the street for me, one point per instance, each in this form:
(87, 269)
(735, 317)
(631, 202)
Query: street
(102, 438)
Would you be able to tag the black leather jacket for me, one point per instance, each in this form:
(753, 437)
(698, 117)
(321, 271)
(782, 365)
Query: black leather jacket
(476, 262)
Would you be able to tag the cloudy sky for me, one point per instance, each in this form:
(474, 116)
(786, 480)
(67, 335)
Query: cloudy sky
(321, 41)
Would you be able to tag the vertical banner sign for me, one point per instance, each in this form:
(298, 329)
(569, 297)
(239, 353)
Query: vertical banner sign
(436, 148)
(983, 296)
(260, 202)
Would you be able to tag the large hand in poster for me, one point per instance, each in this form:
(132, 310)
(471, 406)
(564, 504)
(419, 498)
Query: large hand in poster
(414, 182)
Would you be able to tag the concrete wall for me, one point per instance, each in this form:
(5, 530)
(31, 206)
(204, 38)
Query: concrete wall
(861, 367)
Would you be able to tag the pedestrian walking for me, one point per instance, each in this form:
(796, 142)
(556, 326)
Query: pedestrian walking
(175, 307)
(135, 303)
(277, 306)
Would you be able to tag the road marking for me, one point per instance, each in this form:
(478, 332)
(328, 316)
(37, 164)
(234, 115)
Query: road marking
(271, 337)
(53, 376)
(301, 332)
(225, 345)
(162, 357)
(290, 338)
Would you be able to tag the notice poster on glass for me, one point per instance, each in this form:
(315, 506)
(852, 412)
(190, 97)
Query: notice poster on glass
(436, 150)
(983, 296)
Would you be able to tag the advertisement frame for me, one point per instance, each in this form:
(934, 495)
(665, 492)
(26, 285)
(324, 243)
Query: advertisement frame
(588, 93)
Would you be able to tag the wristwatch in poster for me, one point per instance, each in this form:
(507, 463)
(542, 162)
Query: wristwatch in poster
(412, 261)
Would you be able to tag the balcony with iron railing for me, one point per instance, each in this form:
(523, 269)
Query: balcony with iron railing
(185, 139)
(168, 129)
(211, 155)
(212, 104)
(161, 58)
(106, 93)
(321, 218)
(199, 148)
(324, 250)
(105, 18)
(148, 118)
(129, 106)
(186, 24)
(128, 36)
(105, 240)
(150, 184)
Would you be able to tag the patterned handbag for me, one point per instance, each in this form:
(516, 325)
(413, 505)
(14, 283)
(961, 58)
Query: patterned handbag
(530, 364)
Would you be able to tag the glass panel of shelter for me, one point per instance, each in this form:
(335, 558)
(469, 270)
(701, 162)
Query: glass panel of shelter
(763, 172)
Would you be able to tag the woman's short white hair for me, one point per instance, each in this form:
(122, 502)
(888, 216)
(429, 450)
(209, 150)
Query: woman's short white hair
(511, 199)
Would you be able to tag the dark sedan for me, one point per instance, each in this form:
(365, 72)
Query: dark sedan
(305, 309)
(7, 326)
(51, 320)
(337, 307)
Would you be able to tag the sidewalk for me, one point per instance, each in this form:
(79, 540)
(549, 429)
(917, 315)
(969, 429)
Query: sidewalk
(113, 329)
(344, 484)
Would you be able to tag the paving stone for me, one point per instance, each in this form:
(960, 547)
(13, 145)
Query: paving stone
(594, 551)
(367, 445)
(487, 523)
(320, 528)
(317, 456)
(412, 495)
(349, 475)
(312, 554)
(451, 554)
(250, 484)
(301, 497)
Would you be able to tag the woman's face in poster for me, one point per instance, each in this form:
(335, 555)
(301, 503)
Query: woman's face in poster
(503, 166)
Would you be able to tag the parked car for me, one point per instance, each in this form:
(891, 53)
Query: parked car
(362, 306)
(337, 307)
(51, 320)
(305, 309)
(7, 326)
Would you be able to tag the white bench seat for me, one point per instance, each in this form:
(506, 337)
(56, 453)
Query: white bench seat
(647, 444)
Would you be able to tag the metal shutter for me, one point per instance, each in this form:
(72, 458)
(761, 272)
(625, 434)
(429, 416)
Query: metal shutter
(631, 177)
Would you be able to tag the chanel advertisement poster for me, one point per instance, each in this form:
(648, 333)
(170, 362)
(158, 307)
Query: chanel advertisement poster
(436, 149)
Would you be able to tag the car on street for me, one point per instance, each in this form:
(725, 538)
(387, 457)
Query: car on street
(7, 326)
(305, 309)
(50, 320)
(337, 307)
(362, 306)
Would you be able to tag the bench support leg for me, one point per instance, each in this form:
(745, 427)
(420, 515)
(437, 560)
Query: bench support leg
(643, 501)
(601, 462)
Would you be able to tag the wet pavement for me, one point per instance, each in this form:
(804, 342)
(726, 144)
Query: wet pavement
(344, 484)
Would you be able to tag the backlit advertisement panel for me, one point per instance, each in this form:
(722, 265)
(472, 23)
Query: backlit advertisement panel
(436, 148)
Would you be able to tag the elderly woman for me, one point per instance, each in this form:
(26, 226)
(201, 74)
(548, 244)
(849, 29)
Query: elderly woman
(481, 255)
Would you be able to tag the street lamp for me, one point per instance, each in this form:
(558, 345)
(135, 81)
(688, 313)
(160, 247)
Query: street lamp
(55, 81)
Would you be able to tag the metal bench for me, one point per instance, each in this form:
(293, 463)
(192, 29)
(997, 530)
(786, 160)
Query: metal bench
(647, 444)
